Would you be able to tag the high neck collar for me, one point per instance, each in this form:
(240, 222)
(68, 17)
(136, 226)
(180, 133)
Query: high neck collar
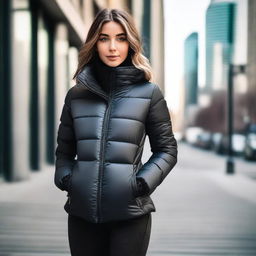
(102, 78)
(106, 75)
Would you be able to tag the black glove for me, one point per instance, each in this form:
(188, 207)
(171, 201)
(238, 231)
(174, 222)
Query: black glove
(143, 188)
(65, 181)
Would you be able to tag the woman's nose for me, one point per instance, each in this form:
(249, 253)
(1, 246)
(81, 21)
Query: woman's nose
(112, 45)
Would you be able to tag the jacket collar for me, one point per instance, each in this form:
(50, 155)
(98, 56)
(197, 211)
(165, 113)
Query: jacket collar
(119, 77)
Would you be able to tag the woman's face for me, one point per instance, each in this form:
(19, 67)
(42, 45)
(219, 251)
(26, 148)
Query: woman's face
(112, 44)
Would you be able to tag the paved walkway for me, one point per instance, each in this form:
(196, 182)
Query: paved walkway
(200, 211)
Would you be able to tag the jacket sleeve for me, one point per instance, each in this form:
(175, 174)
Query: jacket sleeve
(162, 142)
(66, 145)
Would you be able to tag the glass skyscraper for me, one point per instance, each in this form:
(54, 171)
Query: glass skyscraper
(220, 17)
(191, 68)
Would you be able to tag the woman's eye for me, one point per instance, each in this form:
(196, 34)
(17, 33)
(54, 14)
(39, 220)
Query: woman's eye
(122, 38)
(103, 39)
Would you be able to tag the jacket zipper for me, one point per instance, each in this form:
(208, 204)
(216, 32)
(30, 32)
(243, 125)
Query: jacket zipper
(102, 148)
(102, 151)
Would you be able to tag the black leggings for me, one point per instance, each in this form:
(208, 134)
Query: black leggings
(120, 238)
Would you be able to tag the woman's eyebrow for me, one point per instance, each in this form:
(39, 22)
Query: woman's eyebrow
(121, 34)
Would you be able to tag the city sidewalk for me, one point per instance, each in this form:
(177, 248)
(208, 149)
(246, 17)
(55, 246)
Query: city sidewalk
(199, 211)
(32, 218)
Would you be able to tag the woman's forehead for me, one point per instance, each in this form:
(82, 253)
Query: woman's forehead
(112, 28)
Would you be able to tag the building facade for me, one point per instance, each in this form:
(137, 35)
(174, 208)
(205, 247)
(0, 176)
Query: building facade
(251, 65)
(251, 44)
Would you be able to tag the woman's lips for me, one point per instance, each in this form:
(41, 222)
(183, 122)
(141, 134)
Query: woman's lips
(112, 58)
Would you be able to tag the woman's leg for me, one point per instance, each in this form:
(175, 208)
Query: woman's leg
(130, 237)
(85, 238)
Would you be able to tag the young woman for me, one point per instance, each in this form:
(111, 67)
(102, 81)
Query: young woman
(104, 121)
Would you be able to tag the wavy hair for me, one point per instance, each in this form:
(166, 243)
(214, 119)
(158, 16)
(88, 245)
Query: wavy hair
(88, 49)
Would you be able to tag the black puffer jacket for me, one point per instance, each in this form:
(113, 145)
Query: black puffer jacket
(107, 132)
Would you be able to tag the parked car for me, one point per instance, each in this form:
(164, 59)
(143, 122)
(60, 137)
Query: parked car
(204, 140)
(216, 142)
(250, 143)
(191, 134)
(220, 143)
(238, 143)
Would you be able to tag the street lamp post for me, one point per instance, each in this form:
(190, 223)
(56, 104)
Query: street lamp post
(230, 162)
(233, 70)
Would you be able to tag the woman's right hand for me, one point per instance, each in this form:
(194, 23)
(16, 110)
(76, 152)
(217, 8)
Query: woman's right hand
(143, 188)
(65, 181)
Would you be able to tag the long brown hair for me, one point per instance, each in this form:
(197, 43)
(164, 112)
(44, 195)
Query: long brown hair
(88, 49)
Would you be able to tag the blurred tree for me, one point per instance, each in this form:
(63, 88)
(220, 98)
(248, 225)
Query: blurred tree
(250, 100)
(213, 117)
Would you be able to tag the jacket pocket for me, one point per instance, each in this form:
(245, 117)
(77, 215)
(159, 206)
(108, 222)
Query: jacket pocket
(134, 182)
(134, 186)
(70, 180)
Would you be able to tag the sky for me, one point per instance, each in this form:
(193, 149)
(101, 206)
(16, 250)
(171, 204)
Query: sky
(182, 17)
